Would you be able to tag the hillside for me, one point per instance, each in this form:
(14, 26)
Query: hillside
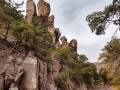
(31, 56)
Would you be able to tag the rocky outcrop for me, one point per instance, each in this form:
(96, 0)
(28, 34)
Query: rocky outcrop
(43, 8)
(31, 10)
(51, 21)
(55, 33)
(30, 78)
(73, 45)
(64, 44)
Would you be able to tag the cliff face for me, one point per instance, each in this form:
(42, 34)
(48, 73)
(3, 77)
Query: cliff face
(24, 71)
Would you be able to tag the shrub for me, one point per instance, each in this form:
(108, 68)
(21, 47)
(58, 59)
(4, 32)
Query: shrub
(61, 81)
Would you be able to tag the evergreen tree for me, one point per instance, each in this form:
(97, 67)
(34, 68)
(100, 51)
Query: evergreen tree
(99, 21)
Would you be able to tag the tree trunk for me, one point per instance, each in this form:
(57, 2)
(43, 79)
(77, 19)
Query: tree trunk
(7, 30)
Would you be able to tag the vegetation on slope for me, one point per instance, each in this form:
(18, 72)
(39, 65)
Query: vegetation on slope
(35, 37)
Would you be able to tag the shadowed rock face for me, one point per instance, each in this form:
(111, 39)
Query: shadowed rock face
(55, 33)
(31, 10)
(43, 8)
(73, 44)
(51, 21)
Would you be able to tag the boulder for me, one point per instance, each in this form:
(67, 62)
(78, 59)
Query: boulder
(43, 8)
(73, 44)
(1, 83)
(31, 10)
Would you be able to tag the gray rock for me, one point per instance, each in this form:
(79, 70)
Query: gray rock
(30, 78)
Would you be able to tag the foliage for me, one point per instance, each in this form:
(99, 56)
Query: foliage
(79, 69)
(61, 81)
(9, 15)
(99, 21)
(111, 55)
(103, 75)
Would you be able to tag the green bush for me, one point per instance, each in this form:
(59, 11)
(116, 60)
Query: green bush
(61, 81)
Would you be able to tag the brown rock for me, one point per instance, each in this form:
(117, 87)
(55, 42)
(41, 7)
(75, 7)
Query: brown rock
(43, 8)
(73, 45)
(10, 59)
(56, 67)
(19, 60)
(31, 10)
(58, 34)
(51, 21)
(64, 42)
(1, 83)
(55, 33)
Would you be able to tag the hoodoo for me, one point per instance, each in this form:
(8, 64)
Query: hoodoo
(43, 8)
(31, 10)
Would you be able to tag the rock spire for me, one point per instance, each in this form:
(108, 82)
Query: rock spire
(31, 10)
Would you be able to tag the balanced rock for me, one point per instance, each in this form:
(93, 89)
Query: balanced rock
(31, 10)
(43, 8)
(73, 44)
(64, 44)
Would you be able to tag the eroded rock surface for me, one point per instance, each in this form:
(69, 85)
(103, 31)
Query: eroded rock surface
(73, 44)
(64, 44)
(55, 33)
(30, 78)
(31, 10)
(51, 21)
(43, 8)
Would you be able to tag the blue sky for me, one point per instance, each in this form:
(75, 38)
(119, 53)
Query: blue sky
(70, 18)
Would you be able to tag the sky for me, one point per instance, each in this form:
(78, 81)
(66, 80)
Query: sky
(70, 18)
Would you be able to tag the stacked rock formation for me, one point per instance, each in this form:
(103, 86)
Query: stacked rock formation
(31, 10)
(43, 13)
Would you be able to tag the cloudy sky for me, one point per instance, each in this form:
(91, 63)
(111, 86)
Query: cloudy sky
(70, 17)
